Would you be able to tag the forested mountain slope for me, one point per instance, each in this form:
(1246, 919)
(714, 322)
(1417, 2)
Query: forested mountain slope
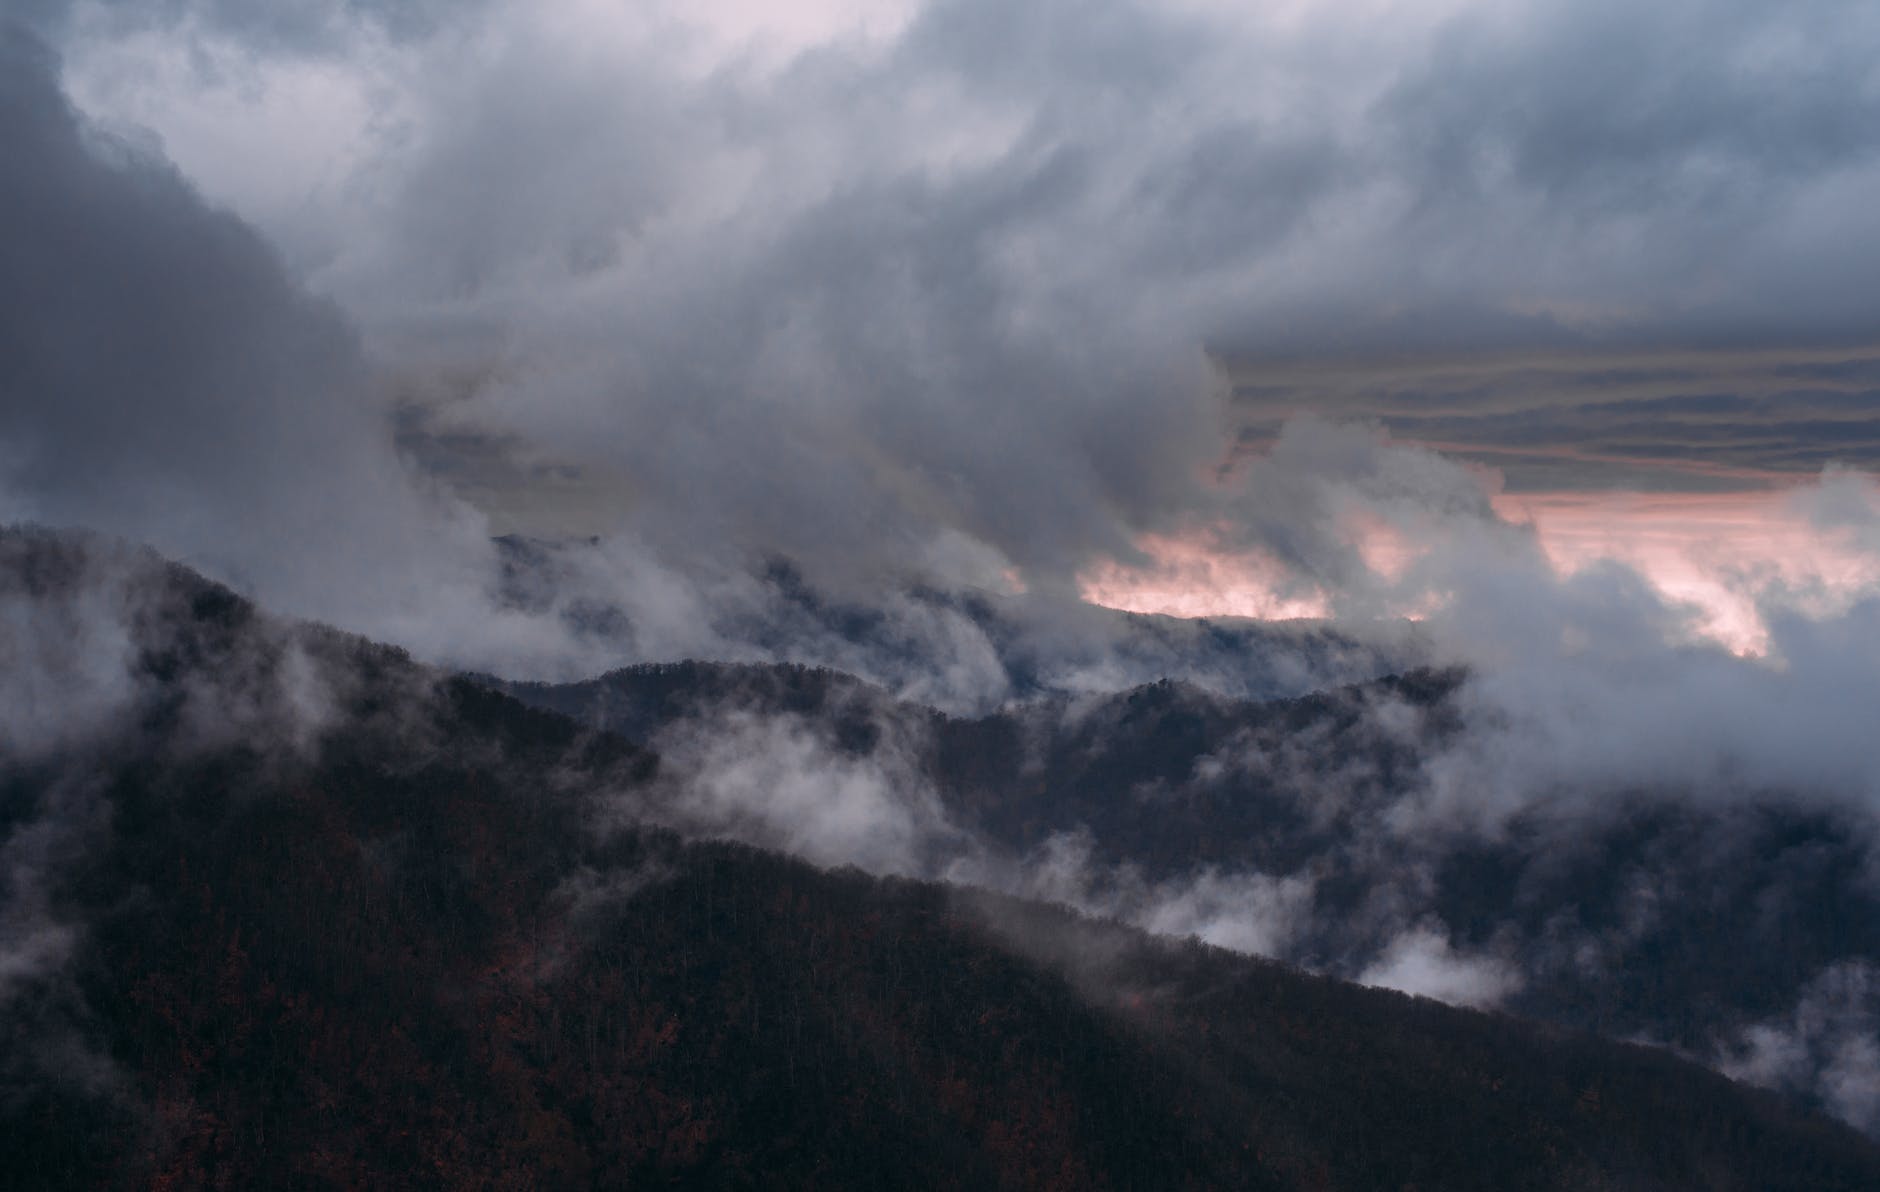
(288, 910)
(1744, 929)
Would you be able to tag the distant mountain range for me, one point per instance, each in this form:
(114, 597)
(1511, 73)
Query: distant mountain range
(285, 908)
(1744, 932)
(963, 651)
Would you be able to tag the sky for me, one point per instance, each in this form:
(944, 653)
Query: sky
(1185, 307)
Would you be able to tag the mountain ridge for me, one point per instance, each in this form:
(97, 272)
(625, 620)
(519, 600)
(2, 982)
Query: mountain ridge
(397, 945)
(1721, 927)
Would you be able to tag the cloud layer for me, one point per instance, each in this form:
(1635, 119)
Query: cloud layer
(963, 293)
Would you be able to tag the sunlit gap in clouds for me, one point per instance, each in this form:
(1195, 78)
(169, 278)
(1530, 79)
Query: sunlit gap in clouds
(1189, 578)
(1723, 556)
(1724, 553)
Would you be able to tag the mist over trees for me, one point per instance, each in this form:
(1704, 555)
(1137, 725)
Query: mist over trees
(401, 928)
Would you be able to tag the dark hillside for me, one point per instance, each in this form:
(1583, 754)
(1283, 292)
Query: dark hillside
(395, 952)
(1663, 914)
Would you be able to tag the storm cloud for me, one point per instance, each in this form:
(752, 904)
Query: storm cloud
(962, 297)
(955, 297)
(166, 380)
(965, 292)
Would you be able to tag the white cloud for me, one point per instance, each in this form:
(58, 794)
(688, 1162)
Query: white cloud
(1422, 961)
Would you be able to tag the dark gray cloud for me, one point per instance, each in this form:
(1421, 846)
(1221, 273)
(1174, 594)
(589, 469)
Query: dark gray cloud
(167, 380)
(150, 340)
(1595, 110)
(981, 299)
(1477, 193)
(164, 379)
(296, 27)
(865, 297)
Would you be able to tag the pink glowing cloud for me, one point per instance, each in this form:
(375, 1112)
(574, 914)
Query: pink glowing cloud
(1723, 553)
(1723, 556)
(1189, 577)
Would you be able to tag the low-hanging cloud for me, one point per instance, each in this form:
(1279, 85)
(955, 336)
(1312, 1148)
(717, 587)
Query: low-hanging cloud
(1826, 1048)
(165, 380)
(936, 299)
(781, 783)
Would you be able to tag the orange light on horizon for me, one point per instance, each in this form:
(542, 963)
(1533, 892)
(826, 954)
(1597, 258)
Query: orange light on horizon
(1720, 554)
(1191, 578)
